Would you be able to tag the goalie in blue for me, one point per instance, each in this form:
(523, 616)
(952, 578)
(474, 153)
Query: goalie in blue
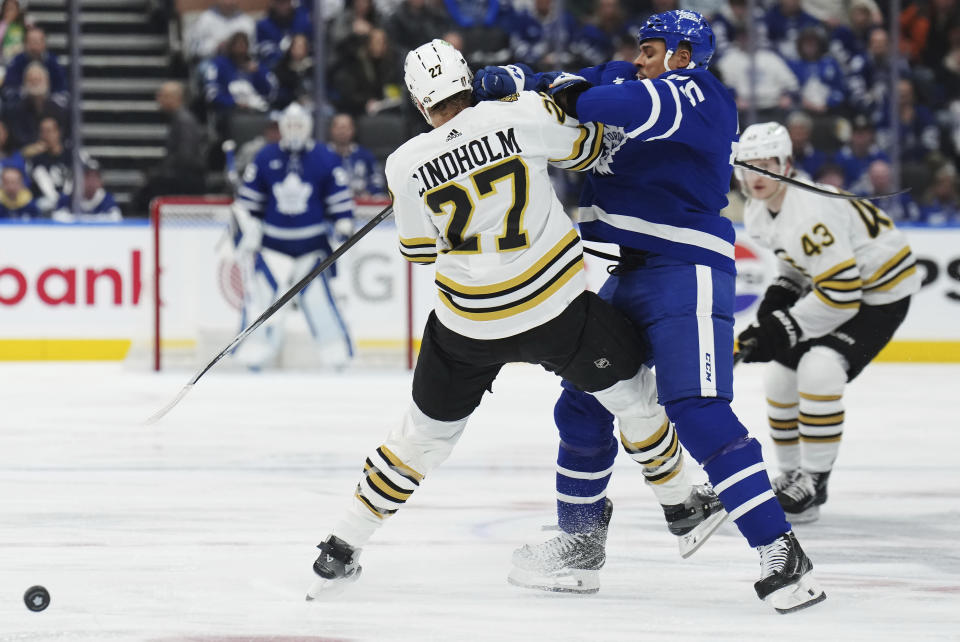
(657, 192)
(294, 199)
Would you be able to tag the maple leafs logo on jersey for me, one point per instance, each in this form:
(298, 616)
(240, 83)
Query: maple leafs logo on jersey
(613, 140)
(292, 195)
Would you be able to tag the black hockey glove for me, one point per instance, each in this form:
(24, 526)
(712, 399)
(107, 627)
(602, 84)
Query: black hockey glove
(565, 89)
(781, 294)
(769, 337)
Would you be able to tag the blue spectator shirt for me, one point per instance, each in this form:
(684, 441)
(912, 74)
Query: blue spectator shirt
(937, 213)
(920, 137)
(855, 167)
(13, 80)
(827, 71)
(532, 38)
(844, 45)
(592, 45)
(16, 160)
(783, 30)
(220, 73)
(809, 160)
(273, 39)
(102, 205)
(901, 208)
(364, 173)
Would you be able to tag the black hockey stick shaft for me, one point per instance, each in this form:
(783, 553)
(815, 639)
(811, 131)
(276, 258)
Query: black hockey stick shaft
(279, 303)
(602, 255)
(813, 188)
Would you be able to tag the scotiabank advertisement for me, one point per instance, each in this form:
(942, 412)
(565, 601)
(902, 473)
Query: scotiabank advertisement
(64, 283)
(85, 291)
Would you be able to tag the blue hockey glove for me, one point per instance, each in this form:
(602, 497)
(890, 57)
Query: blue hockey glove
(544, 80)
(493, 83)
(769, 337)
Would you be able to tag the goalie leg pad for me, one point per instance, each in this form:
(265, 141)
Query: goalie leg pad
(260, 290)
(319, 306)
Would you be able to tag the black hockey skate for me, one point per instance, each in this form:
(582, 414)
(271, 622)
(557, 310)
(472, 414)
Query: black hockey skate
(786, 577)
(801, 494)
(568, 563)
(337, 567)
(695, 519)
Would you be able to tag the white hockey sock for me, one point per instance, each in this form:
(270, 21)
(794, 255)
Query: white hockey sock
(648, 436)
(660, 454)
(394, 470)
(780, 384)
(821, 378)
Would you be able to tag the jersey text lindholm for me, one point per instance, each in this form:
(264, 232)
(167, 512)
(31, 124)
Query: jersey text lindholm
(465, 158)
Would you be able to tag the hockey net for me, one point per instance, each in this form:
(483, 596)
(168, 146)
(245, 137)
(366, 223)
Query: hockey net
(197, 292)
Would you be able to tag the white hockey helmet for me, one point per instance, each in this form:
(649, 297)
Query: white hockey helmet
(296, 127)
(765, 140)
(433, 72)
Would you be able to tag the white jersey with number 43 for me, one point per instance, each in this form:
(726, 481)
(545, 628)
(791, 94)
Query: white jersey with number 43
(473, 195)
(845, 251)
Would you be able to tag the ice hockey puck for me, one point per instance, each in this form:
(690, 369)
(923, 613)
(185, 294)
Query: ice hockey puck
(36, 598)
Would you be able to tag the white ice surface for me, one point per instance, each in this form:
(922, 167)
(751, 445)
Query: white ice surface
(202, 527)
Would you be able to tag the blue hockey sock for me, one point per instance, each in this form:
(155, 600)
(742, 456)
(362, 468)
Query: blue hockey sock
(584, 461)
(733, 461)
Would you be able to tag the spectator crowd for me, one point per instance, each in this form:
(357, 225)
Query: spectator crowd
(826, 68)
(36, 163)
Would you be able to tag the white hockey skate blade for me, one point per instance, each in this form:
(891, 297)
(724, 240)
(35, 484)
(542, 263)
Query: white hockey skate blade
(812, 514)
(323, 588)
(565, 581)
(692, 541)
(795, 597)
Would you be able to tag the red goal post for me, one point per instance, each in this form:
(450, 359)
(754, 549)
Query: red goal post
(198, 288)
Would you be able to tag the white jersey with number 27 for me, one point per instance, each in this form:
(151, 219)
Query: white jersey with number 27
(473, 195)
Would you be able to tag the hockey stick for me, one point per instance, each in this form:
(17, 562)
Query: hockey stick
(279, 303)
(602, 255)
(812, 188)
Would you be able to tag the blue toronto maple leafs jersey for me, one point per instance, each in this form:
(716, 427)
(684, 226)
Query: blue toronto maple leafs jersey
(298, 195)
(665, 170)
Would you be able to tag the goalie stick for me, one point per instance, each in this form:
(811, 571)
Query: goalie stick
(279, 303)
(813, 188)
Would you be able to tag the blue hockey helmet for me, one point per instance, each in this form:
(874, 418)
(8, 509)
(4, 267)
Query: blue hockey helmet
(674, 27)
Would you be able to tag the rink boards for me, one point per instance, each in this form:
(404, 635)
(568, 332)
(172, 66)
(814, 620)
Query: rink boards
(85, 292)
